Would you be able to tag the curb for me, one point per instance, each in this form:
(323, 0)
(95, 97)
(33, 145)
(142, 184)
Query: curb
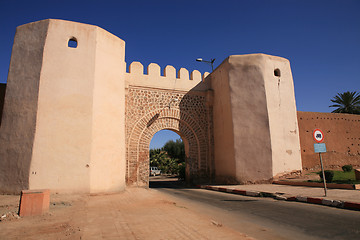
(311, 200)
(316, 184)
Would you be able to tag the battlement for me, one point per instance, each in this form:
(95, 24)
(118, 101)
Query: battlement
(170, 79)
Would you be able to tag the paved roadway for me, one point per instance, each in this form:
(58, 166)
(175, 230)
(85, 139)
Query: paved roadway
(265, 218)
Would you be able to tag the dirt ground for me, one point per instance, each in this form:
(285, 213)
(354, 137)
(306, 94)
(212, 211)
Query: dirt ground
(61, 222)
(133, 214)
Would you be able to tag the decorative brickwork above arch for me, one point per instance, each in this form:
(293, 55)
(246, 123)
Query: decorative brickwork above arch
(149, 111)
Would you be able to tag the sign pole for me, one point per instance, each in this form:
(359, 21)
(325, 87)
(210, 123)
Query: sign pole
(319, 148)
(323, 173)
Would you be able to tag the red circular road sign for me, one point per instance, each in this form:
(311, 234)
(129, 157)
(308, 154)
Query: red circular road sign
(318, 135)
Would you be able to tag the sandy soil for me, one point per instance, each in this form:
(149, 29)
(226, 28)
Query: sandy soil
(133, 214)
(61, 222)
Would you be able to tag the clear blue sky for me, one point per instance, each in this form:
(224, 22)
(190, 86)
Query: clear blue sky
(161, 137)
(320, 38)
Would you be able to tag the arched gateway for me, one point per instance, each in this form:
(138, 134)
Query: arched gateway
(74, 120)
(150, 111)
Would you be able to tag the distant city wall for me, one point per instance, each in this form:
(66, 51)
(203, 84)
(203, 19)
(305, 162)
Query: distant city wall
(2, 98)
(342, 139)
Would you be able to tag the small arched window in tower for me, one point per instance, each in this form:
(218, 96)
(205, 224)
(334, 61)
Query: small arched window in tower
(277, 72)
(72, 42)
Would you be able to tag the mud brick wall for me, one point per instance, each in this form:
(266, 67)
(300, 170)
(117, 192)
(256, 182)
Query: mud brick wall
(342, 139)
(2, 98)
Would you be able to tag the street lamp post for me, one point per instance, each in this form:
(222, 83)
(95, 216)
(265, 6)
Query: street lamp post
(211, 62)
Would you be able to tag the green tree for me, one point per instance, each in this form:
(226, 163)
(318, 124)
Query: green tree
(346, 102)
(175, 150)
(157, 157)
(170, 158)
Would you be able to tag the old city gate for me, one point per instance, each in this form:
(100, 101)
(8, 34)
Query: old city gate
(173, 102)
(75, 120)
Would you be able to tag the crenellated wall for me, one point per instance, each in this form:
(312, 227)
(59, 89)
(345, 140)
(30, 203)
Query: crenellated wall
(169, 79)
(173, 100)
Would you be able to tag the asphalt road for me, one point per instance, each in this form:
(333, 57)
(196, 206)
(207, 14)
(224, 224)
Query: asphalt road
(265, 218)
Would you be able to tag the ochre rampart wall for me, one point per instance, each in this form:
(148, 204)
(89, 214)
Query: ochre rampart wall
(2, 98)
(342, 139)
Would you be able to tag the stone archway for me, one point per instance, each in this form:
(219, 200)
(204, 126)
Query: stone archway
(172, 119)
(155, 110)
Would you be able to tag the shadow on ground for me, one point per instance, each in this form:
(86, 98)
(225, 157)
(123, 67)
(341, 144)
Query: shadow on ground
(164, 181)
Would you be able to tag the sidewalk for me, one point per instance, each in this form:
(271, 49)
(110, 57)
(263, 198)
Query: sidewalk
(349, 199)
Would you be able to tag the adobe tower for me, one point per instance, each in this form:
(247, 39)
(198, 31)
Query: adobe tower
(63, 122)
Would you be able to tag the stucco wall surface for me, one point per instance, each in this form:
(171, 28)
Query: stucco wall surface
(342, 139)
(224, 155)
(63, 125)
(252, 143)
(281, 107)
(63, 134)
(18, 124)
(80, 125)
(259, 118)
(107, 168)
